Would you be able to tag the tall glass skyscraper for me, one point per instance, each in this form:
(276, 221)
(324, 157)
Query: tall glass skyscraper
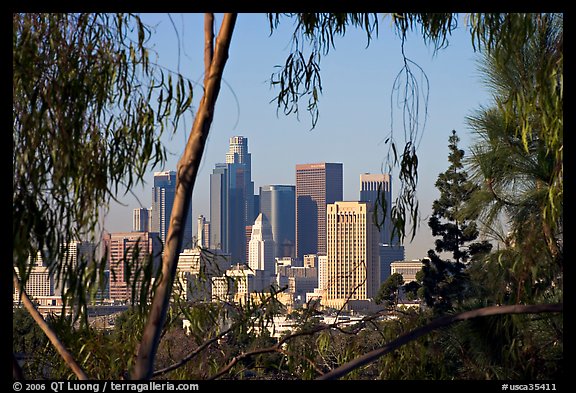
(232, 200)
(316, 186)
(219, 208)
(238, 154)
(162, 201)
(278, 206)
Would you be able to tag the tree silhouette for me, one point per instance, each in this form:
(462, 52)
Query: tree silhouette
(445, 281)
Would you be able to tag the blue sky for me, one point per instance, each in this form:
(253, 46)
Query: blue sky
(355, 108)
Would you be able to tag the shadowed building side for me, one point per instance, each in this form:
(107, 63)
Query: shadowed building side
(316, 186)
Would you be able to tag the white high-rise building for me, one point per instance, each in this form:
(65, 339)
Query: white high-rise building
(238, 284)
(261, 247)
(42, 283)
(202, 241)
(408, 269)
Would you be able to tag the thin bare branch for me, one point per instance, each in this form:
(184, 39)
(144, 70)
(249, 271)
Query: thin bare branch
(435, 324)
(192, 354)
(66, 356)
(204, 345)
(274, 348)
(278, 346)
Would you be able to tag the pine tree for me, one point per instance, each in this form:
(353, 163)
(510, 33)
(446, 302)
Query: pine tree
(445, 282)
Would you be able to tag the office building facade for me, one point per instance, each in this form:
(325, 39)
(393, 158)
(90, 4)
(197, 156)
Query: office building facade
(203, 232)
(140, 220)
(219, 221)
(128, 254)
(408, 269)
(261, 247)
(377, 189)
(353, 268)
(232, 200)
(317, 185)
(163, 194)
(278, 206)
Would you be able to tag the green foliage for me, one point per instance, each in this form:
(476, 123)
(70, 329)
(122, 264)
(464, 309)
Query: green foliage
(27, 337)
(516, 167)
(412, 288)
(445, 282)
(527, 347)
(89, 108)
(388, 292)
(28, 342)
(518, 171)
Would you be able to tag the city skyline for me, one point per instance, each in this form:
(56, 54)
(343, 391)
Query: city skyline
(357, 110)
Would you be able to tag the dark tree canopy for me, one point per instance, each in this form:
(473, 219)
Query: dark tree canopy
(389, 290)
(445, 281)
(519, 175)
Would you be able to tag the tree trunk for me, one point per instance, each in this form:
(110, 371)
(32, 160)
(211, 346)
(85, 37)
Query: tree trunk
(186, 176)
(67, 356)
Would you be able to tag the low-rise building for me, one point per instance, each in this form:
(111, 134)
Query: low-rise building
(237, 284)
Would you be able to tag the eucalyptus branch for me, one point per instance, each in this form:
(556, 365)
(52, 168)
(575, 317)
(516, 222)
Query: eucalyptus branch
(204, 345)
(66, 356)
(278, 346)
(306, 358)
(186, 176)
(352, 293)
(193, 354)
(436, 324)
(274, 348)
(208, 44)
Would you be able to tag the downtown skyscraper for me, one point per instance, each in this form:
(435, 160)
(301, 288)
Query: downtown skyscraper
(141, 220)
(278, 206)
(377, 189)
(261, 247)
(353, 268)
(163, 194)
(317, 185)
(232, 200)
